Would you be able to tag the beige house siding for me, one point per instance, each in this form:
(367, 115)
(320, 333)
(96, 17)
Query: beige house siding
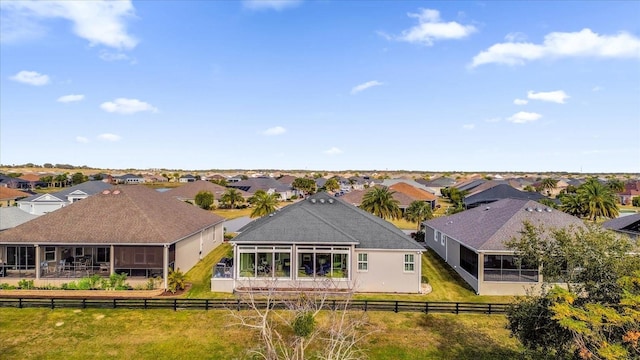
(188, 251)
(386, 273)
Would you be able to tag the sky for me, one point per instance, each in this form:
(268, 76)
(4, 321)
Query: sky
(492, 86)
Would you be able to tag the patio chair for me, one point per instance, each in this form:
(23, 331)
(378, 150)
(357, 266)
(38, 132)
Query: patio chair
(308, 270)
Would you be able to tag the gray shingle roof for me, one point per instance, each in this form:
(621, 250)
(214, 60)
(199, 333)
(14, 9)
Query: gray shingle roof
(262, 183)
(88, 187)
(12, 216)
(131, 214)
(629, 222)
(189, 191)
(487, 229)
(498, 192)
(324, 219)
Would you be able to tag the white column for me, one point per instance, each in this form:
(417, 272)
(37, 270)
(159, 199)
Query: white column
(37, 262)
(112, 260)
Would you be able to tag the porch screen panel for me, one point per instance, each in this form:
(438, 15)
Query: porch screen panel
(138, 257)
(469, 261)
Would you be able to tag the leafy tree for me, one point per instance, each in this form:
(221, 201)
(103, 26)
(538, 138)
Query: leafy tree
(548, 184)
(263, 203)
(204, 199)
(98, 177)
(14, 175)
(596, 315)
(635, 201)
(548, 202)
(418, 211)
(332, 184)
(380, 202)
(221, 182)
(307, 186)
(61, 180)
(48, 180)
(572, 205)
(78, 178)
(598, 200)
(457, 199)
(232, 197)
(47, 165)
(615, 185)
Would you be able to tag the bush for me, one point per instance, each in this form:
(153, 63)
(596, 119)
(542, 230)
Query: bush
(635, 201)
(176, 280)
(418, 236)
(25, 284)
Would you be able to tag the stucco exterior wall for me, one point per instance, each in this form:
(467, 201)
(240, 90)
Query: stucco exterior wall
(386, 272)
(190, 250)
(435, 245)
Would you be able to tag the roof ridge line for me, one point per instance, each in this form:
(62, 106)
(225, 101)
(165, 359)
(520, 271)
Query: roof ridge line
(328, 223)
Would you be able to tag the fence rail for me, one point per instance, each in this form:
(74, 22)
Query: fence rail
(239, 304)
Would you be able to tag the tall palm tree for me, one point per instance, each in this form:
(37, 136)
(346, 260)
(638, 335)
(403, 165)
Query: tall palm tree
(418, 211)
(572, 205)
(548, 184)
(380, 202)
(598, 200)
(264, 204)
(615, 185)
(231, 197)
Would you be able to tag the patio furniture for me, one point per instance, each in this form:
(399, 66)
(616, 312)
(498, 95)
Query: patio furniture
(105, 268)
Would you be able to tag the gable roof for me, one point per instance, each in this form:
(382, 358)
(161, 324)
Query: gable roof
(438, 182)
(629, 224)
(469, 184)
(486, 228)
(412, 192)
(498, 192)
(49, 197)
(132, 214)
(12, 216)
(189, 190)
(87, 187)
(415, 184)
(252, 185)
(11, 194)
(324, 219)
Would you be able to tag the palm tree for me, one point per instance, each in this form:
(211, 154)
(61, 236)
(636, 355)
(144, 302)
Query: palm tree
(380, 202)
(615, 185)
(418, 211)
(598, 200)
(231, 197)
(264, 204)
(572, 205)
(548, 184)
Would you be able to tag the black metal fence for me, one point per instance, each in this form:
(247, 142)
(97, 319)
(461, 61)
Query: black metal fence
(239, 304)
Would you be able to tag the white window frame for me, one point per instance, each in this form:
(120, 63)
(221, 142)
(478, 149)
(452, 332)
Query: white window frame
(49, 253)
(436, 235)
(443, 239)
(409, 262)
(363, 262)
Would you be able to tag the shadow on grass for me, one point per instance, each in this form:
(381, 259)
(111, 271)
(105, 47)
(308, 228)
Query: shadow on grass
(466, 340)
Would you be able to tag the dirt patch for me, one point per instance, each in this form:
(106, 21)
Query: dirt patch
(177, 293)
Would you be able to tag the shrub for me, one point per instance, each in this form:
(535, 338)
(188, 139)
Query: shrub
(176, 280)
(635, 201)
(25, 284)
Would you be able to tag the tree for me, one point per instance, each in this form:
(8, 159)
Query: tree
(263, 203)
(615, 185)
(60, 180)
(635, 201)
(332, 184)
(47, 180)
(287, 324)
(380, 202)
(204, 199)
(232, 197)
(78, 178)
(598, 200)
(457, 199)
(176, 280)
(418, 211)
(221, 182)
(548, 184)
(307, 186)
(595, 315)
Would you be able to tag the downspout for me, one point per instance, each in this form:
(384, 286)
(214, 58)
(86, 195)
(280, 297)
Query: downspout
(165, 266)
(37, 261)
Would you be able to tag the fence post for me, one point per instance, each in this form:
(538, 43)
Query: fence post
(365, 306)
(396, 307)
(457, 308)
(114, 303)
(426, 307)
(489, 309)
(175, 304)
(20, 303)
(238, 306)
(52, 304)
(206, 304)
(84, 303)
(145, 303)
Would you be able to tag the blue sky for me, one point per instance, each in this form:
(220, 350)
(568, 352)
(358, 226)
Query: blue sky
(322, 85)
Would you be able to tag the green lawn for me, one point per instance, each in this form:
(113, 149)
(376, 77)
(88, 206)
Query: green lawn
(193, 334)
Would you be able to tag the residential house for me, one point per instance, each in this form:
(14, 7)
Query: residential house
(187, 178)
(319, 240)
(128, 179)
(40, 204)
(8, 196)
(468, 185)
(492, 191)
(473, 244)
(13, 183)
(266, 184)
(631, 190)
(415, 184)
(437, 184)
(34, 180)
(188, 192)
(628, 225)
(414, 193)
(128, 229)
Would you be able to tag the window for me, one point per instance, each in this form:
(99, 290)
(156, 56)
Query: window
(509, 268)
(363, 262)
(103, 254)
(265, 261)
(436, 236)
(409, 262)
(469, 261)
(49, 253)
(443, 239)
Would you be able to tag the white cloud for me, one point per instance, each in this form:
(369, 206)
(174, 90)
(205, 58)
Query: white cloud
(368, 84)
(520, 101)
(277, 130)
(82, 139)
(333, 151)
(468, 126)
(31, 77)
(270, 4)
(515, 37)
(98, 21)
(109, 137)
(431, 28)
(110, 56)
(523, 117)
(558, 96)
(584, 43)
(127, 106)
(70, 98)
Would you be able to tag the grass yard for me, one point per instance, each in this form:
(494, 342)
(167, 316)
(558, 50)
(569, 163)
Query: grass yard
(230, 214)
(192, 334)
